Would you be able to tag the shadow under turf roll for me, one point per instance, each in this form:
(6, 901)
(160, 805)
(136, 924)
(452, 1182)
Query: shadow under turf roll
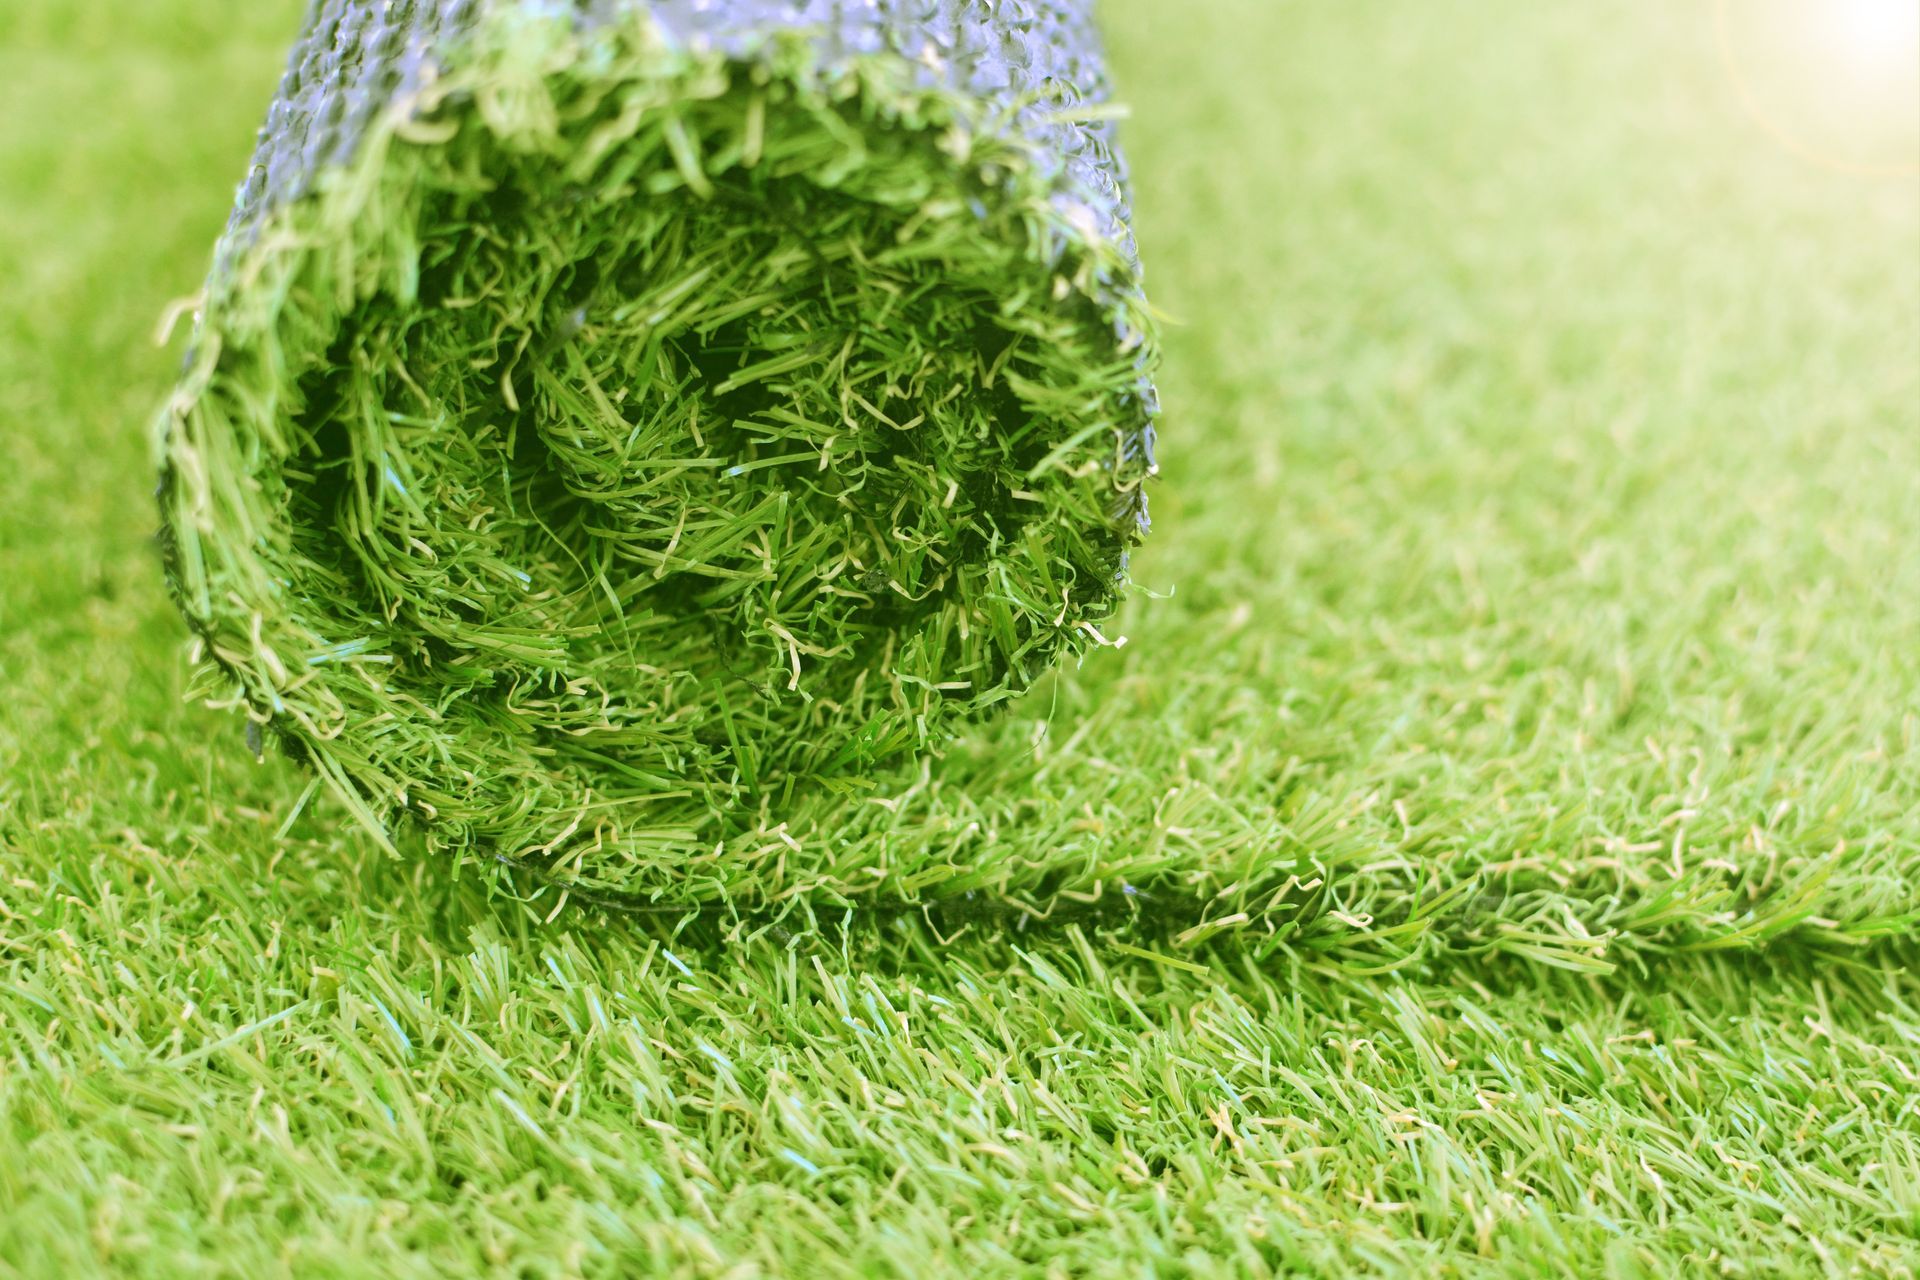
(607, 422)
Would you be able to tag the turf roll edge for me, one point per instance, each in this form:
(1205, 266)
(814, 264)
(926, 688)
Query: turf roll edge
(609, 426)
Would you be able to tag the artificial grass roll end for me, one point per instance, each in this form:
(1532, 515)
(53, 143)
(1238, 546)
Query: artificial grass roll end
(603, 428)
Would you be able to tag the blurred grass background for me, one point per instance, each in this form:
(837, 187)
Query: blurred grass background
(1541, 513)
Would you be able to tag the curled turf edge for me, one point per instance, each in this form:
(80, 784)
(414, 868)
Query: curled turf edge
(631, 441)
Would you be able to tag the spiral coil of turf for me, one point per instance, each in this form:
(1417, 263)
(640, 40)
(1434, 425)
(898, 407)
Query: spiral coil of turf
(611, 426)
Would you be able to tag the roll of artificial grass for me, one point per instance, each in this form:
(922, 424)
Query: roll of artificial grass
(609, 423)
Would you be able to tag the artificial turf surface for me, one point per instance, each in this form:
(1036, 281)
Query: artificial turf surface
(1526, 687)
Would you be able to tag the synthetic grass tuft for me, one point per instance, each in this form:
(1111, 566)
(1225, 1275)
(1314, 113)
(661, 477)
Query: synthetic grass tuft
(608, 430)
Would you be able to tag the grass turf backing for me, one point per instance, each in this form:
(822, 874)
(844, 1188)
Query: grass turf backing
(1548, 529)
